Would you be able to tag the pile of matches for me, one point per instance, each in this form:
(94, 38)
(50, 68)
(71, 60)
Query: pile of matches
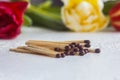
(57, 49)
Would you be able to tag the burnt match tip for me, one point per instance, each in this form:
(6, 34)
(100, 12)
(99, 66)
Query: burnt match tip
(87, 45)
(58, 55)
(97, 51)
(86, 41)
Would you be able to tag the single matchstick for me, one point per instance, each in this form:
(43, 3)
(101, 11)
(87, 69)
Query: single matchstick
(54, 45)
(94, 50)
(62, 42)
(78, 41)
(21, 50)
(84, 51)
(47, 45)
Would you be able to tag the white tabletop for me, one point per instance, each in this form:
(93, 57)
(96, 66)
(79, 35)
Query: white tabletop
(104, 66)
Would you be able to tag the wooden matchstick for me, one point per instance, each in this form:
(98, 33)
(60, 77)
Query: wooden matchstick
(84, 51)
(21, 50)
(47, 45)
(97, 50)
(53, 45)
(94, 50)
(62, 42)
(78, 41)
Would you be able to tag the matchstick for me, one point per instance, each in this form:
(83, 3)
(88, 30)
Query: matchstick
(21, 50)
(62, 42)
(53, 45)
(83, 51)
(78, 41)
(94, 50)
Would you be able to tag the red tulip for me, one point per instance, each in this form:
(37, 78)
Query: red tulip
(115, 16)
(11, 18)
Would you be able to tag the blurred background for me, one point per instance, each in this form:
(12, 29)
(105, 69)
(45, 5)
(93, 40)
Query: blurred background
(55, 2)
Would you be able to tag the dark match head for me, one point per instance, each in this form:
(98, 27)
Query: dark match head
(86, 41)
(80, 47)
(67, 48)
(62, 55)
(86, 50)
(81, 54)
(97, 51)
(77, 45)
(71, 46)
(72, 53)
(87, 45)
(58, 55)
(75, 49)
(66, 53)
(73, 43)
(57, 49)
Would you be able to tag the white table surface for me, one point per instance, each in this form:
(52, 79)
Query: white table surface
(104, 66)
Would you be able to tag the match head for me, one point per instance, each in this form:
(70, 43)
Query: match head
(58, 55)
(76, 49)
(62, 55)
(57, 49)
(71, 46)
(77, 45)
(67, 48)
(87, 45)
(97, 50)
(81, 54)
(72, 53)
(73, 43)
(66, 53)
(80, 47)
(86, 41)
(86, 50)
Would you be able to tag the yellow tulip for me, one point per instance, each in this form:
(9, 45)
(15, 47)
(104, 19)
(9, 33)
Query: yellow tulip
(84, 15)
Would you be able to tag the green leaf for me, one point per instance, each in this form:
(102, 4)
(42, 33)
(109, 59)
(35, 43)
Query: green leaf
(27, 20)
(108, 5)
(45, 18)
(46, 13)
(45, 4)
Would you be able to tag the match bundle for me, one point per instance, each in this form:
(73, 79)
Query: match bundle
(57, 49)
